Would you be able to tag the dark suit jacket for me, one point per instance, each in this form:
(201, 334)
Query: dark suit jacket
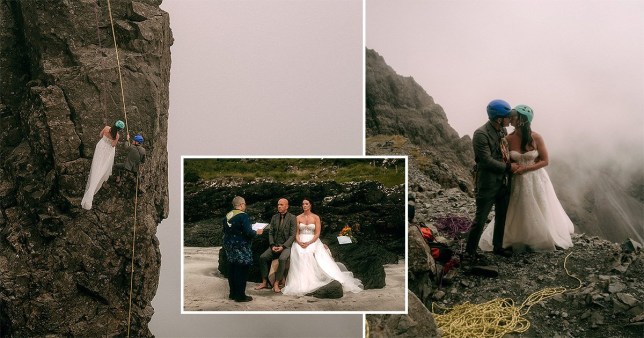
(283, 235)
(491, 170)
(135, 156)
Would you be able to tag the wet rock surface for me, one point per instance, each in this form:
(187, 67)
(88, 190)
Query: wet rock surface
(65, 271)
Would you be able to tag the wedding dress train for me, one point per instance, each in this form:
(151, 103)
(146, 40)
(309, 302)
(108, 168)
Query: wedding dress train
(535, 217)
(100, 171)
(313, 267)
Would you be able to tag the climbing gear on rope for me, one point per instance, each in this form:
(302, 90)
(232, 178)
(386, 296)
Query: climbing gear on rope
(494, 318)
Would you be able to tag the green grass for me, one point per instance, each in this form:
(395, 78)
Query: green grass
(296, 170)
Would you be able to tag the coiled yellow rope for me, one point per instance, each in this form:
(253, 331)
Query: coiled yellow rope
(494, 318)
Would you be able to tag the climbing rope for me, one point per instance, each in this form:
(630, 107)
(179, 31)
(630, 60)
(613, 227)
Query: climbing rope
(136, 200)
(494, 318)
(136, 194)
(118, 63)
(102, 99)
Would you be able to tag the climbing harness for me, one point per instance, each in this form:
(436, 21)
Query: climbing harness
(494, 318)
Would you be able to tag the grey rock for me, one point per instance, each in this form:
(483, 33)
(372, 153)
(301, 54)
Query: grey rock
(627, 299)
(332, 290)
(419, 322)
(630, 245)
(616, 286)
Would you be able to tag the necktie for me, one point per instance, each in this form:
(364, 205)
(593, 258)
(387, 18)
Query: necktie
(504, 150)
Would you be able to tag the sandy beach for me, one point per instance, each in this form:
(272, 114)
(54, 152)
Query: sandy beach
(205, 289)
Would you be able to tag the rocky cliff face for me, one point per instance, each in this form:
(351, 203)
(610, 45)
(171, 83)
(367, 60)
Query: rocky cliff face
(397, 105)
(64, 270)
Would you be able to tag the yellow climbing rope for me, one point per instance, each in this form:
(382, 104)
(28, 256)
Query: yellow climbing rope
(494, 318)
(136, 194)
(136, 202)
(118, 63)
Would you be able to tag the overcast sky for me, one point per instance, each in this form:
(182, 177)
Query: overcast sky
(257, 77)
(578, 63)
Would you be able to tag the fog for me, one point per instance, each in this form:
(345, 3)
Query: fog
(578, 64)
(257, 77)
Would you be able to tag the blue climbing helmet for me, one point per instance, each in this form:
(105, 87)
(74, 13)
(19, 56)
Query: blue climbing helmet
(498, 108)
(138, 138)
(525, 111)
(119, 124)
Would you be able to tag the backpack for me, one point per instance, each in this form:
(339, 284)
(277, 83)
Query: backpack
(440, 252)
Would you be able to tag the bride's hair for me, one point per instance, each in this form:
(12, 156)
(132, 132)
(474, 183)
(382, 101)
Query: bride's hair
(526, 133)
(308, 200)
(113, 131)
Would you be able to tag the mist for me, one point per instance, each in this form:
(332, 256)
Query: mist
(250, 78)
(578, 64)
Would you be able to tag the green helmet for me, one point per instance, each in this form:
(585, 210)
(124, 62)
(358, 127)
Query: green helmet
(119, 124)
(525, 111)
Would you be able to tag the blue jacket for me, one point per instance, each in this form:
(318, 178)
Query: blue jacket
(238, 234)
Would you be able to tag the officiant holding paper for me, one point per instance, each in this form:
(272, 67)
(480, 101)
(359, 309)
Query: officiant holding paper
(281, 237)
(238, 234)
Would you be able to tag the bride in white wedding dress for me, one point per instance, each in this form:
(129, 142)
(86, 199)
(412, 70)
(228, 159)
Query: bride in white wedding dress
(101, 162)
(311, 266)
(535, 219)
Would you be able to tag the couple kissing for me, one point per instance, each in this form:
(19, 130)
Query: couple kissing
(511, 176)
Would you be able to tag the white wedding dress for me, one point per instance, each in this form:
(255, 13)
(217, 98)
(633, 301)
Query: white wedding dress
(535, 218)
(313, 267)
(100, 171)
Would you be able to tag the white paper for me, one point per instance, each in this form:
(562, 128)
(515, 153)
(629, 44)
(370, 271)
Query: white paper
(257, 226)
(344, 239)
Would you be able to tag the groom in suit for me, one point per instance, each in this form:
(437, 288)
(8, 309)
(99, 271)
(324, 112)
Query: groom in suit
(493, 170)
(281, 237)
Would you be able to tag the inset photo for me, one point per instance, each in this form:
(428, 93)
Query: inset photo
(294, 234)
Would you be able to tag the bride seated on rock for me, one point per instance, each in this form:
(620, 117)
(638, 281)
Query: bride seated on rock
(311, 265)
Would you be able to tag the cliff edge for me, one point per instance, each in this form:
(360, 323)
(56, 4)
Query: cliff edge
(65, 270)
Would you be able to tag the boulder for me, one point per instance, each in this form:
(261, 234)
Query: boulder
(421, 267)
(333, 290)
(418, 322)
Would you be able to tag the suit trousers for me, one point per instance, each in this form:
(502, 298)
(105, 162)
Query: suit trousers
(484, 205)
(268, 256)
(237, 276)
